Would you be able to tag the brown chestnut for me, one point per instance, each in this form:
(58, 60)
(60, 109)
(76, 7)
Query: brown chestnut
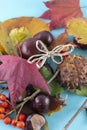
(34, 122)
(45, 36)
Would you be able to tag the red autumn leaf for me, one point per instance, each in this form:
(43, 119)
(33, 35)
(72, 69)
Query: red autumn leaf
(18, 74)
(60, 11)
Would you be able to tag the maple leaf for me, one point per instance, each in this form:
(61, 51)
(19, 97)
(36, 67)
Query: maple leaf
(18, 74)
(60, 11)
(71, 75)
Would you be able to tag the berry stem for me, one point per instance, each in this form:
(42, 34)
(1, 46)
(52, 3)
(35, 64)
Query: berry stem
(32, 96)
(20, 106)
(19, 111)
(8, 102)
(25, 100)
(10, 112)
(75, 115)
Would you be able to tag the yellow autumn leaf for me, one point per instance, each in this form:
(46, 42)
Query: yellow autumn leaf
(5, 43)
(18, 35)
(8, 41)
(34, 25)
(77, 27)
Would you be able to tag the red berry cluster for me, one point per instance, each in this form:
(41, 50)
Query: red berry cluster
(5, 108)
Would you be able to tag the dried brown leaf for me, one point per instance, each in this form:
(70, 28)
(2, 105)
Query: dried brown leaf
(60, 40)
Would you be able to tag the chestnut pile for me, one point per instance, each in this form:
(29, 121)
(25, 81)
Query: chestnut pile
(28, 47)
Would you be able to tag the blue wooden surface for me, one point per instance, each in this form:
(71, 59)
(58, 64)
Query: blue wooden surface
(16, 8)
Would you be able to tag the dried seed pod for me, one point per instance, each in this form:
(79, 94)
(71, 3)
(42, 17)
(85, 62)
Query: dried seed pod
(73, 72)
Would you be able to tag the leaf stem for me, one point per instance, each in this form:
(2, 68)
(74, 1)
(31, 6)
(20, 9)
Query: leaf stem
(53, 77)
(75, 115)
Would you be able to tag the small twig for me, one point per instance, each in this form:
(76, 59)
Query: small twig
(8, 102)
(53, 77)
(24, 101)
(75, 115)
(32, 96)
(10, 112)
(19, 111)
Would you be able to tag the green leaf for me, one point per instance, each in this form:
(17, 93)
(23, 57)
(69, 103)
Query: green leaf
(46, 73)
(82, 92)
(54, 86)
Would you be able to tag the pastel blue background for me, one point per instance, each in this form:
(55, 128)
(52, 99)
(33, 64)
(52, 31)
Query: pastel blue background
(15, 8)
